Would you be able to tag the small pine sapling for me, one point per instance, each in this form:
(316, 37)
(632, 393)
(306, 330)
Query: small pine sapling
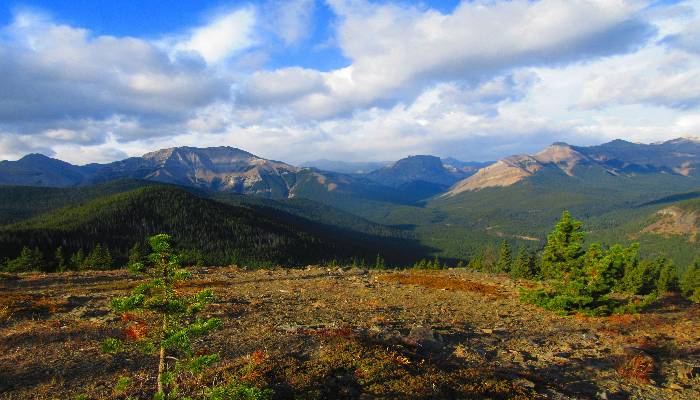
(379, 263)
(172, 318)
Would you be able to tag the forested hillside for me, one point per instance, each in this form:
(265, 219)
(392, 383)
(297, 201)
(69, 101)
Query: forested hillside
(212, 231)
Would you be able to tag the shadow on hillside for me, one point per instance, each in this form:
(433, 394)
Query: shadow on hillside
(394, 247)
(56, 279)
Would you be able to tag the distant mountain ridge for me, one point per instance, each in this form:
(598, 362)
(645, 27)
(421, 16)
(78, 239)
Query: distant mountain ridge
(617, 188)
(678, 156)
(229, 169)
(218, 168)
(411, 179)
(423, 168)
(345, 167)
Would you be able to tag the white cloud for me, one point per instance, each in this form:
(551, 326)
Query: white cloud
(395, 50)
(666, 78)
(290, 20)
(489, 79)
(267, 88)
(225, 36)
(57, 77)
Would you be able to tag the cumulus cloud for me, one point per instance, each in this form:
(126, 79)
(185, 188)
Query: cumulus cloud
(486, 80)
(267, 88)
(395, 50)
(223, 37)
(63, 80)
(290, 20)
(670, 79)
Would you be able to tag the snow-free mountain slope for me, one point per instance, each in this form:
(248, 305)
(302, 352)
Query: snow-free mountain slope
(619, 158)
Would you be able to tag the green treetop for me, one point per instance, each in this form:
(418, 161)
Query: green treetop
(564, 250)
(524, 265)
(505, 258)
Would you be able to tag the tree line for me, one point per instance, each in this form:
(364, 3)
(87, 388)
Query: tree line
(585, 279)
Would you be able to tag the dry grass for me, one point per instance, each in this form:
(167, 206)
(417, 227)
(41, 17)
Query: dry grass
(637, 367)
(28, 306)
(327, 334)
(437, 281)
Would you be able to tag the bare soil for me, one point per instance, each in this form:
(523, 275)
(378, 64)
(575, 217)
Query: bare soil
(350, 333)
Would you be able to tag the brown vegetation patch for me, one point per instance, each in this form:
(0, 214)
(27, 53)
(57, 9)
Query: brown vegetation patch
(674, 221)
(637, 366)
(435, 281)
(20, 306)
(323, 334)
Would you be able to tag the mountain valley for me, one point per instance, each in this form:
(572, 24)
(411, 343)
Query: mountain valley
(452, 210)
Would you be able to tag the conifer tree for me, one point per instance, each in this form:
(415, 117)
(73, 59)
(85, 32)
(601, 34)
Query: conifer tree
(77, 260)
(173, 316)
(524, 265)
(38, 262)
(564, 250)
(136, 254)
(667, 278)
(99, 258)
(379, 263)
(690, 284)
(60, 259)
(436, 263)
(505, 258)
(477, 262)
(22, 263)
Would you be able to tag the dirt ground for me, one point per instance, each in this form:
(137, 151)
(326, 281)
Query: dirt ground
(351, 333)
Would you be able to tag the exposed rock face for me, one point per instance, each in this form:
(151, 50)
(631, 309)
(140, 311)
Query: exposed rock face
(679, 156)
(219, 168)
(675, 221)
(501, 173)
(561, 154)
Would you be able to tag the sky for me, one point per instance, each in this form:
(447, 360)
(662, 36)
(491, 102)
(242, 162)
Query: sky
(354, 80)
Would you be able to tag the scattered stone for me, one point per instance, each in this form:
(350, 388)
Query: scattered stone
(425, 337)
(686, 372)
(562, 354)
(522, 382)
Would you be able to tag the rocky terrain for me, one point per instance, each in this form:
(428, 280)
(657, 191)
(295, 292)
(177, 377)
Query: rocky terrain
(352, 333)
(617, 158)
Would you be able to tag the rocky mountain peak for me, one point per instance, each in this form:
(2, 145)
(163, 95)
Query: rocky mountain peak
(561, 154)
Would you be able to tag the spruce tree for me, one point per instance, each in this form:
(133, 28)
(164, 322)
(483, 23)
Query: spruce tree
(173, 316)
(136, 254)
(690, 284)
(667, 278)
(505, 258)
(22, 263)
(77, 260)
(564, 249)
(60, 259)
(524, 265)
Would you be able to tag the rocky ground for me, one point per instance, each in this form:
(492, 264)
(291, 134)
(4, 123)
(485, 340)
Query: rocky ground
(349, 333)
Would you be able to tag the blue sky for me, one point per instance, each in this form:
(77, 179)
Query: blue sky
(297, 80)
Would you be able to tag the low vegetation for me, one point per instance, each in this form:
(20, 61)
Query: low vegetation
(586, 280)
(338, 333)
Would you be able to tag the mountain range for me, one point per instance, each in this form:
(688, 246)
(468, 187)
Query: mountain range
(446, 207)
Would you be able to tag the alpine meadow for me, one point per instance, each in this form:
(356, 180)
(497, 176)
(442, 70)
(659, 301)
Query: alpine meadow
(349, 199)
